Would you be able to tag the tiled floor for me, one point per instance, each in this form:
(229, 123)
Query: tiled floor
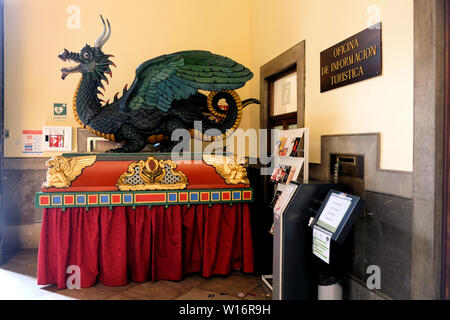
(18, 281)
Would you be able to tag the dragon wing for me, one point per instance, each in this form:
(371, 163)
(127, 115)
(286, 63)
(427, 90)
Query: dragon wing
(178, 76)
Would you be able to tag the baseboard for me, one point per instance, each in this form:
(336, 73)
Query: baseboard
(24, 236)
(354, 289)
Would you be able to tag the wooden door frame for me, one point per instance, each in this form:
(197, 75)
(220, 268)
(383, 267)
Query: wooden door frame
(292, 58)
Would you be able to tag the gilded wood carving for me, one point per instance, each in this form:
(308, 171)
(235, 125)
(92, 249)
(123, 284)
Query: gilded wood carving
(232, 170)
(152, 175)
(62, 171)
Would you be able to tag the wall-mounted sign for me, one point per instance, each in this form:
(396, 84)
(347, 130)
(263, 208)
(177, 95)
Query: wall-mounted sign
(354, 59)
(59, 111)
(32, 142)
(57, 138)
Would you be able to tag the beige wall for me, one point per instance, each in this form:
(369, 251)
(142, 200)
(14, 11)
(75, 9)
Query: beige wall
(383, 104)
(36, 32)
(250, 31)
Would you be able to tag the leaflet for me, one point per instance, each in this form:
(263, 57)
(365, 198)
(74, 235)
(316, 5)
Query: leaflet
(321, 243)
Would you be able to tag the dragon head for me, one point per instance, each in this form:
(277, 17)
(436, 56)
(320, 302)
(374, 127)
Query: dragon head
(90, 60)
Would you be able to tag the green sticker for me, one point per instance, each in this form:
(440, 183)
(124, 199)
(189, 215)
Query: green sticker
(60, 111)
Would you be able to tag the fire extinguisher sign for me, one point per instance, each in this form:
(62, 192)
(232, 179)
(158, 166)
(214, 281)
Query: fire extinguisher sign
(57, 138)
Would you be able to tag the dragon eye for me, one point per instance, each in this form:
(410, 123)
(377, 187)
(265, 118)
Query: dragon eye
(86, 55)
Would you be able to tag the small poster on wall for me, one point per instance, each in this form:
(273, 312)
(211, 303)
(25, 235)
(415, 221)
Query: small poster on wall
(32, 142)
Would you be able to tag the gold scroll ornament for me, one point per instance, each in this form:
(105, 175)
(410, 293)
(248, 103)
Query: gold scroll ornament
(232, 170)
(62, 171)
(152, 175)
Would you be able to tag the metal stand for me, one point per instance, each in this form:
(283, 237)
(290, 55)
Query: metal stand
(265, 279)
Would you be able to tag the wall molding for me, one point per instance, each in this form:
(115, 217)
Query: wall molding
(22, 236)
(392, 182)
(16, 163)
(429, 66)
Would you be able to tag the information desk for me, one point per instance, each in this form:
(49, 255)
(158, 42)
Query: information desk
(115, 235)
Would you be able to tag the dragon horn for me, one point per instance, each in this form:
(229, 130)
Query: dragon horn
(101, 40)
(108, 34)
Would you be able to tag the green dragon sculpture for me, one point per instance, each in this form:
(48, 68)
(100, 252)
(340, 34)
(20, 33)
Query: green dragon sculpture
(163, 97)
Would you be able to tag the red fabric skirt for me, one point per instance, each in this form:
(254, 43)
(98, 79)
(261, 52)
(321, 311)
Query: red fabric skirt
(112, 246)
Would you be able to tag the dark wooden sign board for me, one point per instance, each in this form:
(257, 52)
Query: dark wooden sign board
(354, 59)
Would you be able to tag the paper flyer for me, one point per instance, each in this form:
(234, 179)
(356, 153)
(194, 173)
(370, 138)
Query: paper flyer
(32, 141)
(321, 244)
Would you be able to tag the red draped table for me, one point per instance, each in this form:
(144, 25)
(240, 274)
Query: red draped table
(117, 244)
(119, 217)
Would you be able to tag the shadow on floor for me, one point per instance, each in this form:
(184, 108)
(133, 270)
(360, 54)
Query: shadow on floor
(18, 279)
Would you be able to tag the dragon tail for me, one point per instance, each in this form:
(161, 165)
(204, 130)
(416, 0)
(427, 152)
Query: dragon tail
(224, 120)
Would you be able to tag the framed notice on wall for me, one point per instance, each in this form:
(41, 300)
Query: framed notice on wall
(354, 59)
(57, 138)
(285, 95)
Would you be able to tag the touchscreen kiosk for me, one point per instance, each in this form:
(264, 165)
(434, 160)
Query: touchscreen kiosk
(294, 273)
(337, 214)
